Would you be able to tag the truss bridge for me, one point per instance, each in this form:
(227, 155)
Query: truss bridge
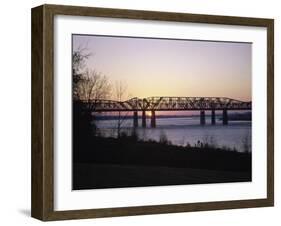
(154, 104)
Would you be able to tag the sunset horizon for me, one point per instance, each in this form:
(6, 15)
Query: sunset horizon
(172, 68)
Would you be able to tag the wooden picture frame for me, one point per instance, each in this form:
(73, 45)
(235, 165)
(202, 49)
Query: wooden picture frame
(42, 205)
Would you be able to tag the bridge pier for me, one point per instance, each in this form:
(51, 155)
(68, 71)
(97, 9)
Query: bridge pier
(143, 119)
(202, 118)
(135, 118)
(153, 119)
(224, 117)
(213, 117)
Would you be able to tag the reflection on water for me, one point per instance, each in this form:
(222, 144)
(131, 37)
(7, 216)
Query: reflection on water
(187, 130)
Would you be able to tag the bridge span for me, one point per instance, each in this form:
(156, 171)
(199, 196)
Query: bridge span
(154, 104)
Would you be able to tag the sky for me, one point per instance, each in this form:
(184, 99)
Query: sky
(162, 67)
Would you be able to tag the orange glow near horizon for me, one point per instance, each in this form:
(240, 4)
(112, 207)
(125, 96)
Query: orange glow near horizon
(148, 113)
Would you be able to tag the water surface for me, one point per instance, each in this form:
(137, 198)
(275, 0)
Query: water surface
(186, 130)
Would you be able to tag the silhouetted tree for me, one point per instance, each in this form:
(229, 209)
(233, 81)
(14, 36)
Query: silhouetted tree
(93, 87)
(89, 87)
(120, 91)
(79, 58)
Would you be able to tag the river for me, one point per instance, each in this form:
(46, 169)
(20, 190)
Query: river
(187, 130)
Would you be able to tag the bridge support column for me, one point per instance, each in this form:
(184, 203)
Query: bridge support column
(202, 118)
(143, 119)
(213, 117)
(224, 117)
(153, 119)
(136, 123)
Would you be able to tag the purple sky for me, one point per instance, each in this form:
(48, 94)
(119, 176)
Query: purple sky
(161, 67)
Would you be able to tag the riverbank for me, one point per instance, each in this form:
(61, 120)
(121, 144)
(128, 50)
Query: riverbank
(128, 162)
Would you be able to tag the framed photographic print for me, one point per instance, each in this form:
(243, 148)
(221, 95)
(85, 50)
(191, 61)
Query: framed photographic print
(141, 112)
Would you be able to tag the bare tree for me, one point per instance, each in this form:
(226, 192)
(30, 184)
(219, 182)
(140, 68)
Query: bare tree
(120, 91)
(79, 58)
(93, 87)
(89, 86)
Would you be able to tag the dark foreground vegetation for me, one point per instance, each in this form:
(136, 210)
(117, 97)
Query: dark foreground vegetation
(128, 162)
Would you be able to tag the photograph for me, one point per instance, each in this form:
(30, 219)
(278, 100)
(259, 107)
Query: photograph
(149, 111)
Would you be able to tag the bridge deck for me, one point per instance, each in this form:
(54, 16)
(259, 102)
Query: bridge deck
(169, 104)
